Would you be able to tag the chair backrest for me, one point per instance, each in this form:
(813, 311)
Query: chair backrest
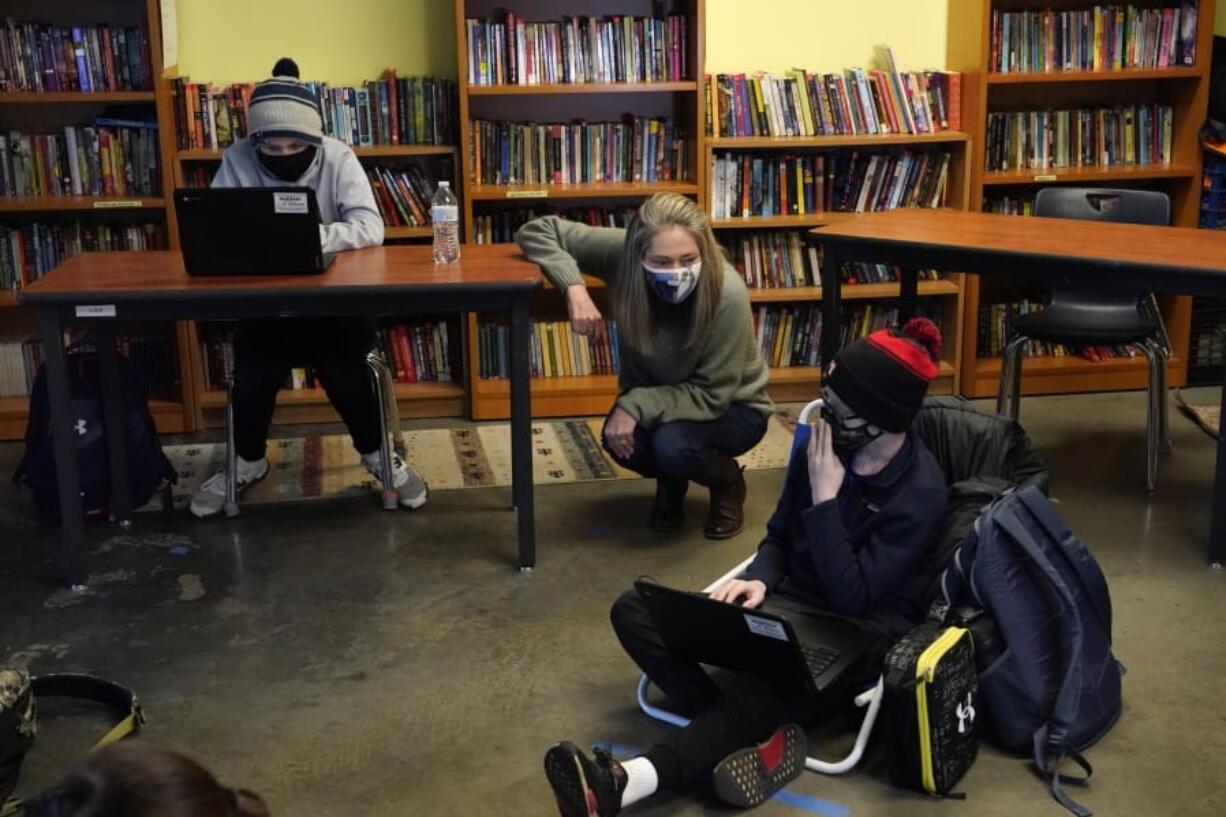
(1101, 204)
(970, 444)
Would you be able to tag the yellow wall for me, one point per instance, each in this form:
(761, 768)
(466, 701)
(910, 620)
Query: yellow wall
(341, 41)
(774, 35)
(345, 41)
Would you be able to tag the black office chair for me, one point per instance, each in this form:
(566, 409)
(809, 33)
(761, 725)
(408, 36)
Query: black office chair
(1092, 317)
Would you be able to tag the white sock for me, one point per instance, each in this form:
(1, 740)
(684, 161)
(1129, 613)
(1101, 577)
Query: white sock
(641, 780)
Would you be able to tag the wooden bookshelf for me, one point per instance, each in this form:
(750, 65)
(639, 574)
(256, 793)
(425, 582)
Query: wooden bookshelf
(681, 100)
(852, 292)
(407, 232)
(858, 140)
(173, 412)
(800, 383)
(1184, 88)
(362, 152)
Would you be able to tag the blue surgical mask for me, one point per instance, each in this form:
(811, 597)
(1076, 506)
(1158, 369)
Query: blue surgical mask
(674, 285)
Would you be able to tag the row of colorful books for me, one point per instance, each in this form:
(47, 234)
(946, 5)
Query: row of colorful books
(1104, 38)
(499, 227)
(781, 259)
(555, 350)
(113, 157)
(1131, 134)
(855, 102)
(995, 330)
(28, 251)
(19, 362)
(1009, 205)
(417, 352)
(747, 184)
(392, 110)
(512, 51)
(790, 336)
(403, 195)
(38, 57)
(637, 149)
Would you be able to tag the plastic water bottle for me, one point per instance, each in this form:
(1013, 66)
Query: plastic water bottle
(445, 214)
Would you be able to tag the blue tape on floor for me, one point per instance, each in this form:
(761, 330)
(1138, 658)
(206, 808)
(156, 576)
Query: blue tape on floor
(826, 808)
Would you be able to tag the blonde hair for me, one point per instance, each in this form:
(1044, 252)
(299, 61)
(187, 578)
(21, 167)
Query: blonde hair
(632, 299)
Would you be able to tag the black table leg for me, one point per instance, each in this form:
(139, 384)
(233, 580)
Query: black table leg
(1217, 524)
(832, 281)
(71, 559)
(521, 435)
(908, 294)
(116, 427)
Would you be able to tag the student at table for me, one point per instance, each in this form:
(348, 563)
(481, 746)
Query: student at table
(692, 381)
(286, 146)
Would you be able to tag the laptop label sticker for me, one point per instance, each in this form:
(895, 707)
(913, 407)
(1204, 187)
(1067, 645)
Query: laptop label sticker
(289, 202)
(766, 627)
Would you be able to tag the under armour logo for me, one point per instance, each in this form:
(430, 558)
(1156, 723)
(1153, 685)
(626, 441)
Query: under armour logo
(80, 428)
(966, 714)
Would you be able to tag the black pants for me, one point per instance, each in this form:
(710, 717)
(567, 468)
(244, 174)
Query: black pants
(683, 449)
(266, 350)
(738, 711)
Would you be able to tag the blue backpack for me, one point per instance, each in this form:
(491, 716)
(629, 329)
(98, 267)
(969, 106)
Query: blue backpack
(1055, 688)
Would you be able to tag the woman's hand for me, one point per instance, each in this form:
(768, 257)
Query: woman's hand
(619, 432)
(585, 318)
(826, 471)
(730, 592)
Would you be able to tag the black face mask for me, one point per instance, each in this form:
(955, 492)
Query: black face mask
(288, 167)
(847, 441)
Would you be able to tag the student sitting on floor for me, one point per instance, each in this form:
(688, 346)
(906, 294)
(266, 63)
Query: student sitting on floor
(861, 505)
(286, 146)
(692, 381)
(137, 779)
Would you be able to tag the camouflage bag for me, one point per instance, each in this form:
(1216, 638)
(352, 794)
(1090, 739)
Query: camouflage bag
(19, 717)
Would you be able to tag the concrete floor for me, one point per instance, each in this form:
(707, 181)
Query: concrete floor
(344, 661)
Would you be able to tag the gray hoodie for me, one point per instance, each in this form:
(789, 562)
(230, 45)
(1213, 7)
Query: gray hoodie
(347, 206)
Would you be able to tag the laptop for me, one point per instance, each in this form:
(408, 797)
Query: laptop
(809, 652)
(250, 231)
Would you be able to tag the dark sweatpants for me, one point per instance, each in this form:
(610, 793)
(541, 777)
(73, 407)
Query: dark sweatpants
(266, 350)
(683, 449)
(740, 711)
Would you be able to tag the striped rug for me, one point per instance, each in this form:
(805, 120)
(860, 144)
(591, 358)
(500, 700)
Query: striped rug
(468, 456)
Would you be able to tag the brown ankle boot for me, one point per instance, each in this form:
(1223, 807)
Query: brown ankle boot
(726, 481)
(668, 510)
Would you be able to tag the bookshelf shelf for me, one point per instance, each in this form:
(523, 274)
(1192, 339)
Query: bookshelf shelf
(850, 292)
(1038, 77)
(859, 140)
(312, 406)
(1093, 175)
(39, 204)
(572, 386)
(584, 88)
(371, 152)
(8, 299)
(797, 221)
(530, 192)
(408, 232)
(15, 412)
(216, 398)
(969, 49)
(73, 97)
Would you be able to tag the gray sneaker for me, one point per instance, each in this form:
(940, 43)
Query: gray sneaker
(211, 496)
(409, 485)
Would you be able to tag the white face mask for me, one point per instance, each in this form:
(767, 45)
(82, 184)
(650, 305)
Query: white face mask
(674, 285)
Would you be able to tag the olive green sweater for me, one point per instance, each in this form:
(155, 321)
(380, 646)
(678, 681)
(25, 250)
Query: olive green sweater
(671, 381)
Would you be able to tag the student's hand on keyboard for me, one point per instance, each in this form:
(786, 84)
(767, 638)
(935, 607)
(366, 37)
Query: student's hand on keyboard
(746, 593)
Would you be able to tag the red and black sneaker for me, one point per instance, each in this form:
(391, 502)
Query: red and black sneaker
(749, 777)
(583, 787)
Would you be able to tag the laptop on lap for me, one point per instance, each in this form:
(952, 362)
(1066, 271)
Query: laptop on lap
(250, 231)
(806, 652)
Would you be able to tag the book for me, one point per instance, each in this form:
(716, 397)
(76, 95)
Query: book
(1101, 136)
(28, 251)
(554, 351)
(104, 159)
(40, 57)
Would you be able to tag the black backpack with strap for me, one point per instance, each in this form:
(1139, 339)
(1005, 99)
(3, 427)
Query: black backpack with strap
(148, 467)
(19, 694)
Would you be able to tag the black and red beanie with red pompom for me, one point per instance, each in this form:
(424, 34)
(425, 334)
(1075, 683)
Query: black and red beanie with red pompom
(883, 376)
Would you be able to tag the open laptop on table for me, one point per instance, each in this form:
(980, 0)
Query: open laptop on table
(250, 231)
(813, 651)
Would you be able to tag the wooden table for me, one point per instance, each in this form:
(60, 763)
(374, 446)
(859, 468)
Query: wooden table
(1144, 258)
(118, 287)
